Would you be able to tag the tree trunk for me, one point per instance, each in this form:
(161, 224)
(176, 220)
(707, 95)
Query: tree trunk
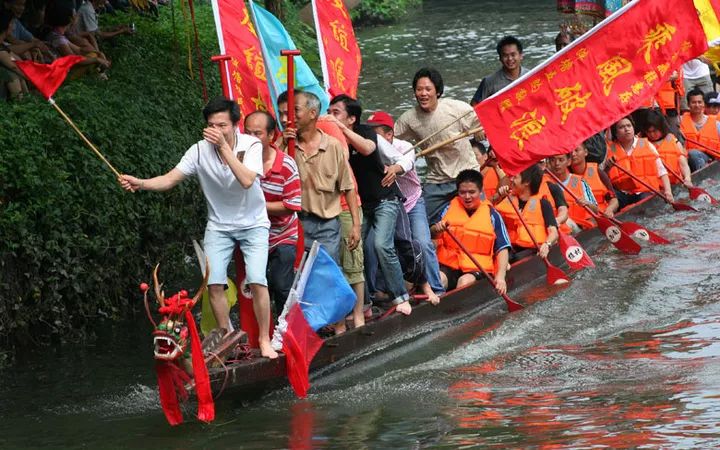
(276, 8)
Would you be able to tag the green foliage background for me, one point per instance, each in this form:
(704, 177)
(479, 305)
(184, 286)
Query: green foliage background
(73, 245)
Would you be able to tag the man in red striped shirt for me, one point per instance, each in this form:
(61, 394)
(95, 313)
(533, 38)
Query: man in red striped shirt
(281, 186)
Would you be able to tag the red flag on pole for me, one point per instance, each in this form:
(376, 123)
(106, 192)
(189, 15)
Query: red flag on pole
(47, 78)
(245, 73)
(300, 344)
(339, 52)
(601, 77)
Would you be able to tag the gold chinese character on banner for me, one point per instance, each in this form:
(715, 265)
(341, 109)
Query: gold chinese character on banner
(566, 65)
(239, 100)
(234, 62)
(625, 97)
(663, 68)
(520, 95)
(650, 77)
(505, 105)
(571, 99)
(550, 74)
(337, 65)
(611, 69)
(254, 61)
(637, 87)
(237, 77)
(686, 46)
(535, 85)
(656, 38)
(526, 127)
(259, 103)
(245, 21)
(339, 34)
(341, 6)
(582, 53)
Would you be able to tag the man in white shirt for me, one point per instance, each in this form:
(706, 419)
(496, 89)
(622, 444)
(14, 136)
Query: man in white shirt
(228, 166)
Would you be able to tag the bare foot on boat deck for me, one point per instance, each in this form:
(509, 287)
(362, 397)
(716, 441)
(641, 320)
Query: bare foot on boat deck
(267, 351)
(404, 308)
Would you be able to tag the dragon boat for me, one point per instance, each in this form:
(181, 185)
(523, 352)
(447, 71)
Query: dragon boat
(251, 377)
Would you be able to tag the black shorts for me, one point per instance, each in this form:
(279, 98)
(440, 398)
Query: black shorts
(453, 275)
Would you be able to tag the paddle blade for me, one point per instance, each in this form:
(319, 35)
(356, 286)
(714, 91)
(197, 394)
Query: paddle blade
(617, 237)
(555, 275)
(512, 305)
(576, 256)
(638, 231)
(701, 194)
(682, 207)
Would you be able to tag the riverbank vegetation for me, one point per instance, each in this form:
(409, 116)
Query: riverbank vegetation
(73, 245)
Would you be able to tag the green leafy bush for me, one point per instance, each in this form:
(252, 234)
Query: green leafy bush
(382, 11)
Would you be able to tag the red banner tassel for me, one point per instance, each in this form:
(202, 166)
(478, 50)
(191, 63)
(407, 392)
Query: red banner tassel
(168, 394)
(206, 406)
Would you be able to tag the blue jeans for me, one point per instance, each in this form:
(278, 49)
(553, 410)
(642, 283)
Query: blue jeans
(325, 231)
(381, 221)
(697, 160)
(421, 233)
(219, 247)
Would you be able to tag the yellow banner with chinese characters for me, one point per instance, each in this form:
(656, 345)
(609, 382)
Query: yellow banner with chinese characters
(599, 78)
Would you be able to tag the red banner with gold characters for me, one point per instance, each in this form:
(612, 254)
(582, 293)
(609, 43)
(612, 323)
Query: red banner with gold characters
(246, 69)
(339, 51)
(592, 83)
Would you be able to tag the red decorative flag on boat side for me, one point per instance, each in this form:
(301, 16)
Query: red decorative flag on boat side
(300, 344)
(339, 51)
(246, 69)
(47, 78)
(601, 77)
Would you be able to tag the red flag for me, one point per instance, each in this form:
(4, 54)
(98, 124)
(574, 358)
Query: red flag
(246, 68)
(300, 344)
(339, 52)
(575, 255)
(598, 79)
(47, 78)
(248, 321)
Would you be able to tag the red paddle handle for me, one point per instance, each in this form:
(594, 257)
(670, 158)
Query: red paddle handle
(290, 55)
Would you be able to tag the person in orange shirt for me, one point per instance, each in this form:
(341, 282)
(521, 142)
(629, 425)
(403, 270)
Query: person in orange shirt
(597, 179)
(579, 216)
(670, 149)
(699, 128)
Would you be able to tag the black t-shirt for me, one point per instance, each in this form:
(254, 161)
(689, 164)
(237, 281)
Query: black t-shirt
(547, 212)
(557, 194)
(369, 172)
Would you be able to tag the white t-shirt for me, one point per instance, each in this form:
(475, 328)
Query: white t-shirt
(231, 207)
(695, 69)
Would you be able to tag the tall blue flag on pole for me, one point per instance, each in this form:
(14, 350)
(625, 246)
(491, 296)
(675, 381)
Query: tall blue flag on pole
(273, 38)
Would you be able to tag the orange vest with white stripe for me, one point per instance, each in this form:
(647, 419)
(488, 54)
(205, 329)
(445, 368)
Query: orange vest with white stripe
(476, 233)
(707, 135)
(598, 188)
(490, 183)
(532, 213)
(670, 153)
(576, 212)
(642, 163)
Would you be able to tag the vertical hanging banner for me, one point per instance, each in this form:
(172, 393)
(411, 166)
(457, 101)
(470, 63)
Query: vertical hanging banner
(595, 81)
(339, 52)
(246, 69)
(274, 38)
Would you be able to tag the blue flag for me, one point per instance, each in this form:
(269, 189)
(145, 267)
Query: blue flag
(273, 38)
(326, 297)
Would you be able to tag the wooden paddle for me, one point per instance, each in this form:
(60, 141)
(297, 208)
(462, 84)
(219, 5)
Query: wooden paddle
(714, 153)
(554, 274)
(676, 206)
(695, 192)
(456, 120)
(432, 148)
(511, 304)
(617, 237)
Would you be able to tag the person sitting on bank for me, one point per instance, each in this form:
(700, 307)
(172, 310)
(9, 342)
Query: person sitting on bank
(229, 166)
(670, 149)
(537, 211)
(638, 156)
(597, 179)
(381, 202)
(702, 132)
(281, 187)
(431, 115)
(480, 228)
(578, 215)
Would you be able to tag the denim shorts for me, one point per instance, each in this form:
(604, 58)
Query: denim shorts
(253, 242)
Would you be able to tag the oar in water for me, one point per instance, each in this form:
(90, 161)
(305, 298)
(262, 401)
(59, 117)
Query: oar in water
(511, 304)
(555, 275)
(676, 206)
(464, 134)
(576, 256)
(640, 232)
(695, 192)
(617, 237)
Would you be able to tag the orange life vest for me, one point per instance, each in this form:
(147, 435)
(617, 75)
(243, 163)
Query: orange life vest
(598, 188)
(532, 213)
(576, 212)
(490, 182)
(509, 217)
(476, 233)
(642, 163)
(667, 94)
(545, 192)
(707, 135)
(670, 152)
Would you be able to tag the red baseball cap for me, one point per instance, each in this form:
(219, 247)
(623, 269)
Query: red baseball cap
(381, 118)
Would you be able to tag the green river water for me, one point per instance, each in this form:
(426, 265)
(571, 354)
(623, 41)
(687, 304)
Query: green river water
(628, 356)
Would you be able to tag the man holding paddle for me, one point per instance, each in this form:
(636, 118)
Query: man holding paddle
(434, 120)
